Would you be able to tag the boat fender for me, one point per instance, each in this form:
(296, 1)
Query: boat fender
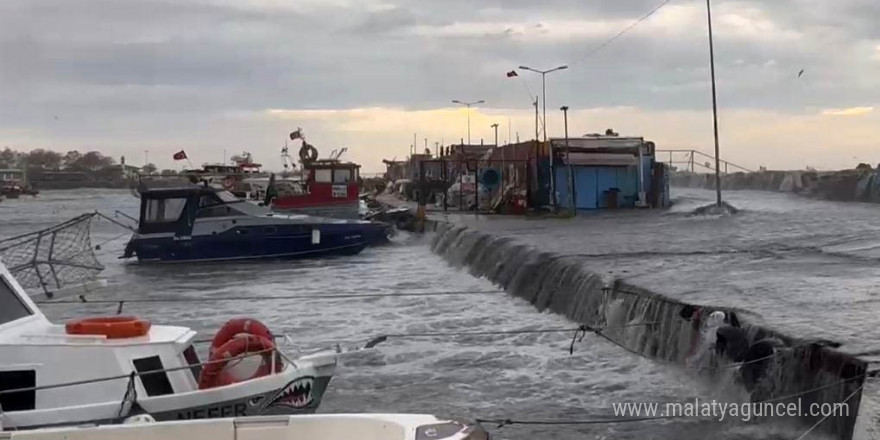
(113, 327)
(308, 153)
(239, 326)
(214, 374)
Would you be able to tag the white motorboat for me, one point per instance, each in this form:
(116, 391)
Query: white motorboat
(305, 427)
(107, 369)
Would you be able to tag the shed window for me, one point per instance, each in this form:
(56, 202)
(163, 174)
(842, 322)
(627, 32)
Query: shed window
(323, 176)
(164, 210)
(11, 306)
(13, 380)
(156, 384)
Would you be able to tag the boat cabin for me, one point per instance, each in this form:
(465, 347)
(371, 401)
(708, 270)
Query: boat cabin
(176, 208)
(326, 183)
(34, 353)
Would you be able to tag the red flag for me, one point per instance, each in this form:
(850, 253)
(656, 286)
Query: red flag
(512, 73)
(180, 155)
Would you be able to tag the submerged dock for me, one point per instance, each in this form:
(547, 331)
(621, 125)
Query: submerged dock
(798, 271)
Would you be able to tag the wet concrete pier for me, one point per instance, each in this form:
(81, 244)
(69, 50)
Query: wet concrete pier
(799, 271)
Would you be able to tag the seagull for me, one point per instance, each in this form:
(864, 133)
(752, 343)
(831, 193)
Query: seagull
(801, 73)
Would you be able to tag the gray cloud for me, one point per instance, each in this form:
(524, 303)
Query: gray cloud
(115, 67)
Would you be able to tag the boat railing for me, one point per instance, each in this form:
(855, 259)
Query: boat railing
(133, 374)
(688, 158)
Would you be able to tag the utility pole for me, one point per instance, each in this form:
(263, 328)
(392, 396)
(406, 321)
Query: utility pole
(495, 126)
(468, 105)
(714, 107)
(146, 157)
(568, 160)
(537, 149)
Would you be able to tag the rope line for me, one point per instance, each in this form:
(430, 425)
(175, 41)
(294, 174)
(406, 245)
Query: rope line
(82, 299)
(620, 34)
(135, 373)
(816, 425)
(505, 422)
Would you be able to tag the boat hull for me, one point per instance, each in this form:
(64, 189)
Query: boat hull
(260, 242)
(292, 391)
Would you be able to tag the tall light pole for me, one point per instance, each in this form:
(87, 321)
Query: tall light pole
(544, 123)
(544, 90)
(714, 107)
(568, 160)
(146, 157)
(468, 105)
(495, 126)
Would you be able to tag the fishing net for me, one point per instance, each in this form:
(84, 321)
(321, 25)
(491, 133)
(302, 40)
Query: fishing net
(53, 257)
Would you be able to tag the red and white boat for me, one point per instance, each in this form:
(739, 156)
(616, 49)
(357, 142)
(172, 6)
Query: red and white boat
(324, 187)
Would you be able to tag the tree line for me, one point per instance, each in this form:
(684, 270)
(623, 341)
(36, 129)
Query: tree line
(93, 163)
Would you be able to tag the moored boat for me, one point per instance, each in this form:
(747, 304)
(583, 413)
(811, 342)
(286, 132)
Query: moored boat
(104, 370)
(182, 221)
(325, 187)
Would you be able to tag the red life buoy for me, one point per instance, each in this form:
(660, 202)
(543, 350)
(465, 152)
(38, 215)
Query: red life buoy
(228, 182)
(214, 374)
(113, 327)
(239, 326)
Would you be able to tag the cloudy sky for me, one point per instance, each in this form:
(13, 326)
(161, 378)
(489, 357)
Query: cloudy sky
(124, 76)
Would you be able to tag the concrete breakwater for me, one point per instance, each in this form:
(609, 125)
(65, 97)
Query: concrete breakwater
(809, 370)
(862, 185)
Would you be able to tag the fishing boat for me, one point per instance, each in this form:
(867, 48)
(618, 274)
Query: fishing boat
(306, 427)
(107, 369)
(184, 221)
(324, 187)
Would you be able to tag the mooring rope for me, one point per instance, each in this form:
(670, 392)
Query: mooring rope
(81, 299)
(505, 422)
(598, 421)
(816, 425)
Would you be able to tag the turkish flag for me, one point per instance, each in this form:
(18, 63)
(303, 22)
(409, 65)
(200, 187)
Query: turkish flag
(180, 155)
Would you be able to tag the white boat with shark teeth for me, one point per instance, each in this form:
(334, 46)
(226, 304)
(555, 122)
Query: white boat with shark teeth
(305, 427)
(55, 375)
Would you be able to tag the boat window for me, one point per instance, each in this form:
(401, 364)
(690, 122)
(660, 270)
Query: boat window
(341, 176)
(13, 380)
(323, 176)
(357, 174)
(164, 210)
(192, 359)
(155, 384)
(208, 200)
(11, 306)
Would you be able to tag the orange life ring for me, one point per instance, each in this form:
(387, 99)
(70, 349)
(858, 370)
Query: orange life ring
(213, 375)
(239, 326)
(113, 327)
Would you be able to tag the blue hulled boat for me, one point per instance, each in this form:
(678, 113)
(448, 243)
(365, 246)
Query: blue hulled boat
(184, 221)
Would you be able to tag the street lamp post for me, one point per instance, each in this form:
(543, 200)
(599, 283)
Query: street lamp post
(568, 160)
(468, 105)
(544, 90)
(714, 107)
(544, 121)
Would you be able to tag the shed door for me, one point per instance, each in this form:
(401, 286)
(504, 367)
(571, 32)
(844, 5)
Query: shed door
(585, 188)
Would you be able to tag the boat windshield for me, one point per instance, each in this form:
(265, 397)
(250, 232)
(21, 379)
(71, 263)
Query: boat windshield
(11, 306)
(227, 197)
